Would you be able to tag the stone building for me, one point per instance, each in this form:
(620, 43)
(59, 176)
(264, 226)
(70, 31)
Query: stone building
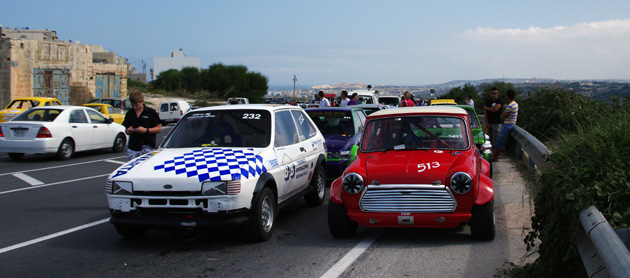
(37, 63)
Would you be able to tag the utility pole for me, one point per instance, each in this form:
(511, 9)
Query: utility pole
(294, 80)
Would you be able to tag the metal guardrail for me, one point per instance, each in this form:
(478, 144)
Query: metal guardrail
(533, 152)
(604, 251)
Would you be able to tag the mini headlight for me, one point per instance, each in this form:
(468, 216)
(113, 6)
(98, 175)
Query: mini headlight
(352, 183)
(461, 182)
(122, 187)
(210, 188)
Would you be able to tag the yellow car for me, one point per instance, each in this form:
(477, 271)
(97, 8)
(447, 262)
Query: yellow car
(446, 101)
(20, 105)
(107, 110)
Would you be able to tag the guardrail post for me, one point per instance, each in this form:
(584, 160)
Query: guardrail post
(605, 250)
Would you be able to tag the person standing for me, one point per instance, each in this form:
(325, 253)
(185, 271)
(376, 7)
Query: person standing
(470, 101)
(142, 124)
(353, 99)
(323, 101)
(509, 116)
(344, 99)
(407, 100)
(492, 114)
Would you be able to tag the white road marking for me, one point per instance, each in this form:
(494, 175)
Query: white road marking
(37, 240)
(115, 161)
(28, 179)
(65, 165)
(54, 183)
(352, 256)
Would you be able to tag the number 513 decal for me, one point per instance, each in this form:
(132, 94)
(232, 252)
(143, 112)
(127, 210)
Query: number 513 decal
(427, 166)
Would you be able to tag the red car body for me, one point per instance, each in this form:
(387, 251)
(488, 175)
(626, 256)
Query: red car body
(440, 182)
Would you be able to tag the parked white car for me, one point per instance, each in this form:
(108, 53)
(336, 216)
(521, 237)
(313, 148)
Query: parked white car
(172, 110)
(222, 165)
(60, 130)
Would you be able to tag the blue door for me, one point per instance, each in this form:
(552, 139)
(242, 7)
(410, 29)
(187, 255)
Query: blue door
(52, 83)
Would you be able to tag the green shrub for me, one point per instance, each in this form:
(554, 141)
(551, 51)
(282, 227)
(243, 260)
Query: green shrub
(589, 166)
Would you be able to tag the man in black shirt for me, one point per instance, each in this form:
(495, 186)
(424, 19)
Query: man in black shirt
(492, 111)
(142, 124)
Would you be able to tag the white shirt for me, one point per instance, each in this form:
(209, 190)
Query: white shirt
(324, 103)
(471, 103)
(344, 102)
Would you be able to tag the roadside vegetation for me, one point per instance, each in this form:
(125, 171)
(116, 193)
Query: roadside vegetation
(590, 141)
(216, 83)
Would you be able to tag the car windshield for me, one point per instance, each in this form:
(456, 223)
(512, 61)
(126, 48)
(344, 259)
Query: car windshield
(333, 122)
(414, 133)
(38, 115)
(222, 128)
(364, 99)
(388, 100)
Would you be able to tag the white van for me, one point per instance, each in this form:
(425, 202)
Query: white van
(171, 110)
(366, 96)
(238, 100)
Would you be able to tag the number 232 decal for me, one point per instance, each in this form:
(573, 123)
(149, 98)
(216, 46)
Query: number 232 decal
(427, 166)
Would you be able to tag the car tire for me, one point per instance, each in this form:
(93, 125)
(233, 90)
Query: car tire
(119, 143)
(263, 216)
(339, 224)
(66, 149)
(131, 231)
(482, 222)
(16, 156)
(318, 183)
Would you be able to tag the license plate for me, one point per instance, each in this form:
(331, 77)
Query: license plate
(19, 132)
(405, 220)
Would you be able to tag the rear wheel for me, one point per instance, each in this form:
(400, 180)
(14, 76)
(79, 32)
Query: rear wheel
(482, 223)
(131, 231)
(339, 224)
(263, 217)
(66, 149)
(318, 183)
(16, 156)
(119, 143)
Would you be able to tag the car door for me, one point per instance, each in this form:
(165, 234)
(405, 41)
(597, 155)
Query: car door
(290, 154)
(312, 145)
(81, 129)
(101, 130)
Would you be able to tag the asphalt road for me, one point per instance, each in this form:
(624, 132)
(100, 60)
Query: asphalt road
(54, 223)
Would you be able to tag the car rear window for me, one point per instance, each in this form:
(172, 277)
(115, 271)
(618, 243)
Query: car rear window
(222, 128)
(38, 115)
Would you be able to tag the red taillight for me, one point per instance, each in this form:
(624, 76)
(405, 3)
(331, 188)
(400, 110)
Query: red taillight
(181, 112)
(44, 133)
(1, 135)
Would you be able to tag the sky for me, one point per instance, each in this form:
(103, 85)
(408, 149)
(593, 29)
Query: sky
(395, 43)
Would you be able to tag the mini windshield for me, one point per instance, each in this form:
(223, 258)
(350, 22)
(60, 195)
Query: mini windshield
(38, 115)
(221, 128)
(333, 122)
(415, 133)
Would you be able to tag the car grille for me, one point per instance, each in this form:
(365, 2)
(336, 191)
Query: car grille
(408, 199)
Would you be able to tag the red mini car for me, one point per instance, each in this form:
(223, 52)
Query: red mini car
(415, 167)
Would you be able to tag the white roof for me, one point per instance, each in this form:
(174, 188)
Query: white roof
(267, 106)
(420, 110)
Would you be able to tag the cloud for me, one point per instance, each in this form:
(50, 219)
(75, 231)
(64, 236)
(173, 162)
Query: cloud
(582, 32)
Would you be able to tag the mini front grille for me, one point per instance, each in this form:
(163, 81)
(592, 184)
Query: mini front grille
(408, 199)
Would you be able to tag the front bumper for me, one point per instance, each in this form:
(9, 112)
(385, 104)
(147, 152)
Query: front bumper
(335, 168)
(415, 220)
(177, 219)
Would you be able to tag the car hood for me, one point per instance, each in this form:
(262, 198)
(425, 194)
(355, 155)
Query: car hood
(185, 169)
(403, 167)
(335, 143)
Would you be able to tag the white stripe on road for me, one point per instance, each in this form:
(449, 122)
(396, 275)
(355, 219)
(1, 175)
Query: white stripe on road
(115, 161)
(65, 165)
(28, 179)
(54, 183)
(352, 256)
(37, 240)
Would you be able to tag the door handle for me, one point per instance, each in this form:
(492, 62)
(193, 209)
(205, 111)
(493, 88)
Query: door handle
(302, 149)
(95, 126)
(74, 126)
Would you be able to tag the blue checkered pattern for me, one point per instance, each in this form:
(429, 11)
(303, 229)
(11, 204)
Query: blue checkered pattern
(216, 164)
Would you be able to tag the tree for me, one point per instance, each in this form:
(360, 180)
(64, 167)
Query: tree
(170, 80)
(459, 94)
(191, 78)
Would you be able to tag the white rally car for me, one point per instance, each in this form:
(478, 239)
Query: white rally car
(222, 165)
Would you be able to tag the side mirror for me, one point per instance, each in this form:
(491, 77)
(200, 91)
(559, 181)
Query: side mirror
(353, 152)
(110, 120)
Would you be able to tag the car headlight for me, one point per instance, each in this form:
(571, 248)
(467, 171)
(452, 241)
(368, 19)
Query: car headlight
(210, 188)
(338, 155)
(216, 188)
(352, 183)
(122, 188)
(461, 183)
